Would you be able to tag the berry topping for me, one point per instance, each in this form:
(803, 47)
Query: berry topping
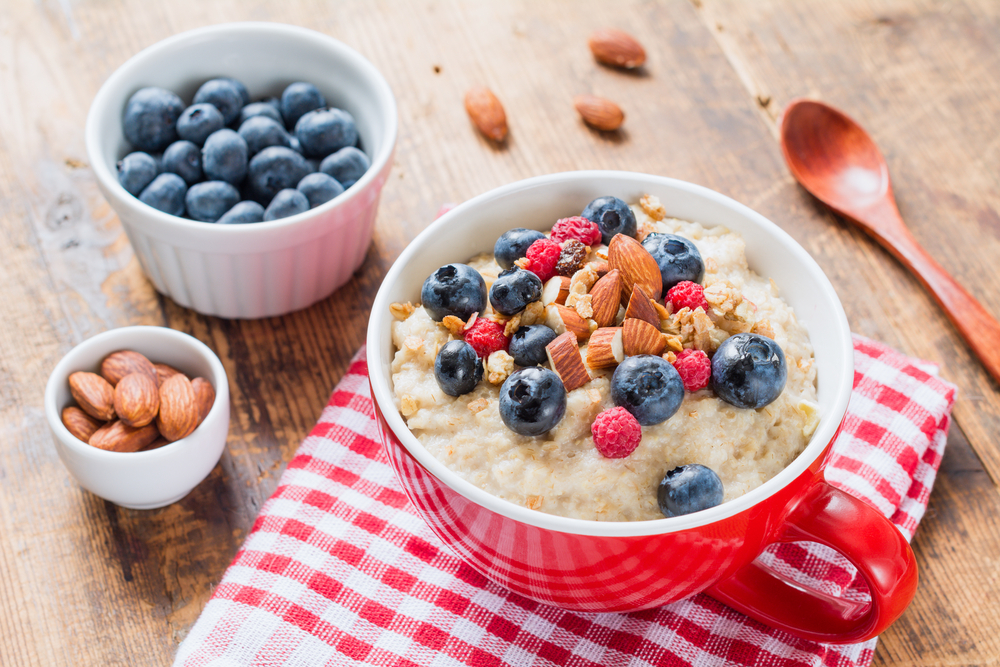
(454, 289)
(687, 294)
(544, 255)
(612, 215)
(527, 345)
(486, 337)
(577, 227)
(695, 369)
(648, 387)
(532, 401)
(514, 289)
(748, 370)
(512, 245)
(457, 368)
(689, 488)
(572, 257)
(677, 257)
(616, 433)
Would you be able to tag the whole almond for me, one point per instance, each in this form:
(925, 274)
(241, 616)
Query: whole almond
(94, 394)
(616, 48)
(120, 437)
(637, 266)
(204, 397)
(137, 399)
(125, 362)
(599, 113)
(163, 372)
(178, 408)
(79, 423)
(486, 113)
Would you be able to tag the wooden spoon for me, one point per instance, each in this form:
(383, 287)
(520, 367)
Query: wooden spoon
(835, 160)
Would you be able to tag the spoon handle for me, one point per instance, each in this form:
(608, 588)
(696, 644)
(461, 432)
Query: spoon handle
(980, 329)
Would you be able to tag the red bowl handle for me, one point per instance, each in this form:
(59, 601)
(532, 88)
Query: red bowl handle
(865, 537)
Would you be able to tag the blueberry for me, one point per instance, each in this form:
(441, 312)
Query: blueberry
(527, 345)
(457, 368)
(319, 188)
(513, 245)
(514, 289)
(299, 99)
(260, 109)
(260, 132)
(275, 168)
(150, 121)
(208, 201)
(647, 386)
(532, 400)
(184, 159)
(346, 165)
(166, 193)
(224, 157)
(689, 488)
(748, 371)
(223, 95)
(295, 144)
(325, 131)
(242, 89)
(677, 257)
(198, 121)
(612, 215)
(136, 171)
(243, 212)
(454, 289)
(286, 203)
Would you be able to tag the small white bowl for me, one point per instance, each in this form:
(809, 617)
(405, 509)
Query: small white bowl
(261, 269)
(159, 477)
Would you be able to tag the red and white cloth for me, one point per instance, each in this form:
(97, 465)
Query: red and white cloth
(339, 570)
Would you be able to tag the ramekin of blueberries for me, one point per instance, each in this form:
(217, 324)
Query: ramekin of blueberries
(245, 162)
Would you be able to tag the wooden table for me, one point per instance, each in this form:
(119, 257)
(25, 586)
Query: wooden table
(87, 583)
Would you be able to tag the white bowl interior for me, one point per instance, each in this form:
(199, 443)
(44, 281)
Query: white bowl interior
(536, 203)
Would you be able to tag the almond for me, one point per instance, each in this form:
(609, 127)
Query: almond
(120, 437)
(204, 397)
(79, 423)
(616, 48)
(137, 399)
(639, 337)
(640, 306)
(636, 264)
(556, 290)
(163, 372)
(564, 357)
(124, 362)
(604, 298)
(605, 348)
(486, 113)
(156, 444)
(600, 268)
(561, 318)
(94, 394)
(599, 113)
(178, 408)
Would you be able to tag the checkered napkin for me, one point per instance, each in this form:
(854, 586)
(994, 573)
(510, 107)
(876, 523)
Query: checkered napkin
(339, 569)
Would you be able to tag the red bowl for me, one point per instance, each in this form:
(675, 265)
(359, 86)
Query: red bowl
(597, 566)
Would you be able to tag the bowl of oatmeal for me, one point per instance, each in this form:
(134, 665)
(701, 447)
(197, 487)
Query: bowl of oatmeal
(544, 501)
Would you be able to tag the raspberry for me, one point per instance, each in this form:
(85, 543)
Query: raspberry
(687, 294)
(695, 369)
(577, 227)
(616, 433)
(572, 257)
(544, 255)
(486, 336)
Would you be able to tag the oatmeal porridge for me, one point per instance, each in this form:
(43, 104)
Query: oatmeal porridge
(594, 321)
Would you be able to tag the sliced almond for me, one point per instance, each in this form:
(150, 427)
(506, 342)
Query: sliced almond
(640, 337)
(640, 306)
(636, 264)
(599, 113)
(605, 348)
(564, 357)
(616, 48)
(561, 318)
(556, 290)
(486, 113)
(604, 298)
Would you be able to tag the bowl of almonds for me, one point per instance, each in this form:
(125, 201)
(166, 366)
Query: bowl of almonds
(139, 415)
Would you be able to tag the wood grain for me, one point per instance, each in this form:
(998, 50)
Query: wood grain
(85, 582)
